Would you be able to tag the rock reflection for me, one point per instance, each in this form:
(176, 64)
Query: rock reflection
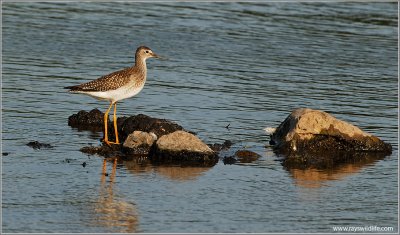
(313, 177)
(110, 211)
(174, 172)
(181, 173)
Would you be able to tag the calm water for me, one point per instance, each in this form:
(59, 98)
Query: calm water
(244, 64)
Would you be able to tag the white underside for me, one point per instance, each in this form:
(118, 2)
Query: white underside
(114, 95)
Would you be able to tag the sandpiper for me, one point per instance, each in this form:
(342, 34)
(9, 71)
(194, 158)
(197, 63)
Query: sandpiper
(117, 86)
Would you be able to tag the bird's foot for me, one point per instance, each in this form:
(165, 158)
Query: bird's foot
(109, 143)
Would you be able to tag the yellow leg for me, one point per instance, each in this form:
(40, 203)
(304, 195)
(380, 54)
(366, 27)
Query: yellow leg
(115, 123)
(106, 125)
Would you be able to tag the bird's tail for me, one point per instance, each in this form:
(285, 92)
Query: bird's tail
(71, 88)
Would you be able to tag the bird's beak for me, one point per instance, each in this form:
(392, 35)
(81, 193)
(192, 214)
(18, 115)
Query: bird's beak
(156, 56)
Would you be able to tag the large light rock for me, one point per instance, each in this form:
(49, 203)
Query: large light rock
(313, 131)
(182, 141)
(181, 146)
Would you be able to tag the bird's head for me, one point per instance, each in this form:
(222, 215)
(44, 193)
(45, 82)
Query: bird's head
(145, 52)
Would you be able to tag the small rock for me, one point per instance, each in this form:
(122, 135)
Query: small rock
(5, 154)
(139, 143)
(181, 146)
(246, 156)
(219, 147)
(84, 164)
(38, 145)
(229, 160)
(104, 150)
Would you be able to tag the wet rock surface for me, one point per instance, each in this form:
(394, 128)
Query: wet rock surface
(329, 160)
(246, 156)
(38, 145)
(103, 150)
(241, 156)
(312, 137)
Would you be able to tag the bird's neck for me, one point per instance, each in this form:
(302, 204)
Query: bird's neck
(140, 64)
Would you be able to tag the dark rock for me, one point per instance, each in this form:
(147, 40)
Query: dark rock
(310, 137)
(87, 120)
(38, 145)
(181, 147)
(242, 156)
(219, 147)
(148, 124)
(329, 160)
(246, 156)
(103, 150)
(84, 164)
(5, 154)
(141, 151)
(229, 160)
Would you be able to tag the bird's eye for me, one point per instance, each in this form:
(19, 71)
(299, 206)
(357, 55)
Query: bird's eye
(147, 52)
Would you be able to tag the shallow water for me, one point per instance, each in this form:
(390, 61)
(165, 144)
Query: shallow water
(244, 64)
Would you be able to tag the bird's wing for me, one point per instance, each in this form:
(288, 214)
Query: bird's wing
(111, 81)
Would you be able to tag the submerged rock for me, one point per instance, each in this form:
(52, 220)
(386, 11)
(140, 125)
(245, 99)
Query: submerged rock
(181, 146)
(220, 147)
(246, 156)
(38, 145)
(315, 136)
(242, 156)
(229, 160)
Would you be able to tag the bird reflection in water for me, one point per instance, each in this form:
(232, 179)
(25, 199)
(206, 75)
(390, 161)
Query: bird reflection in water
(110, 211)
